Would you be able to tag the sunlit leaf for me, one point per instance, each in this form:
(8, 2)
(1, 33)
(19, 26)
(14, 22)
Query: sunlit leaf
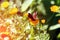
(45, 26)
(57, 14)
(54, 27)
(58, 35)
(41, 8)
(25, 5)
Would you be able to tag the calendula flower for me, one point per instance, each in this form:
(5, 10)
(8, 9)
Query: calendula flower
(54, 8)
(5, 4)
(34, 22)
(59, 21)
(43, 21)
(13, 11)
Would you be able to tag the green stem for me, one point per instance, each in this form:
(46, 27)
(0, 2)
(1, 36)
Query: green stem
(50, 18)
(32, 33)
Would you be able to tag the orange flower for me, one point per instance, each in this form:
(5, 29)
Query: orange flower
(34, 22)
(5, 37)
(54, 8)
(2, 29)
(43, 21)
(59, 21)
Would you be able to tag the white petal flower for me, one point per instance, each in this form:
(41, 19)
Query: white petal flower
(52, 2)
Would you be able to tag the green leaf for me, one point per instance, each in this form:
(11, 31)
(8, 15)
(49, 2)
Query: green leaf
(58, 35)
(58, 2)
(45, 26)
(57, 14)
(25, 5)
(41, 8)
(54, 27)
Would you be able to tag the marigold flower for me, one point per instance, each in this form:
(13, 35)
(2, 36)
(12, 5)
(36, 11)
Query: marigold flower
(34, 22)
(5, 4)
(43, 21)
(59, 21)
(13, 11)
(54, 8)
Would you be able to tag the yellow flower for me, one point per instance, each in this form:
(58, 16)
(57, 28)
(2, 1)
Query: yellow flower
(13, 11)
(43, 21)
(25, 14)
(5, 4)
(54, 8)
(59, 21)
(5, 32)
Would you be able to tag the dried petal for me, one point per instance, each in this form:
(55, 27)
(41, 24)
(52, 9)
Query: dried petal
(19, 13)
(31, 17)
